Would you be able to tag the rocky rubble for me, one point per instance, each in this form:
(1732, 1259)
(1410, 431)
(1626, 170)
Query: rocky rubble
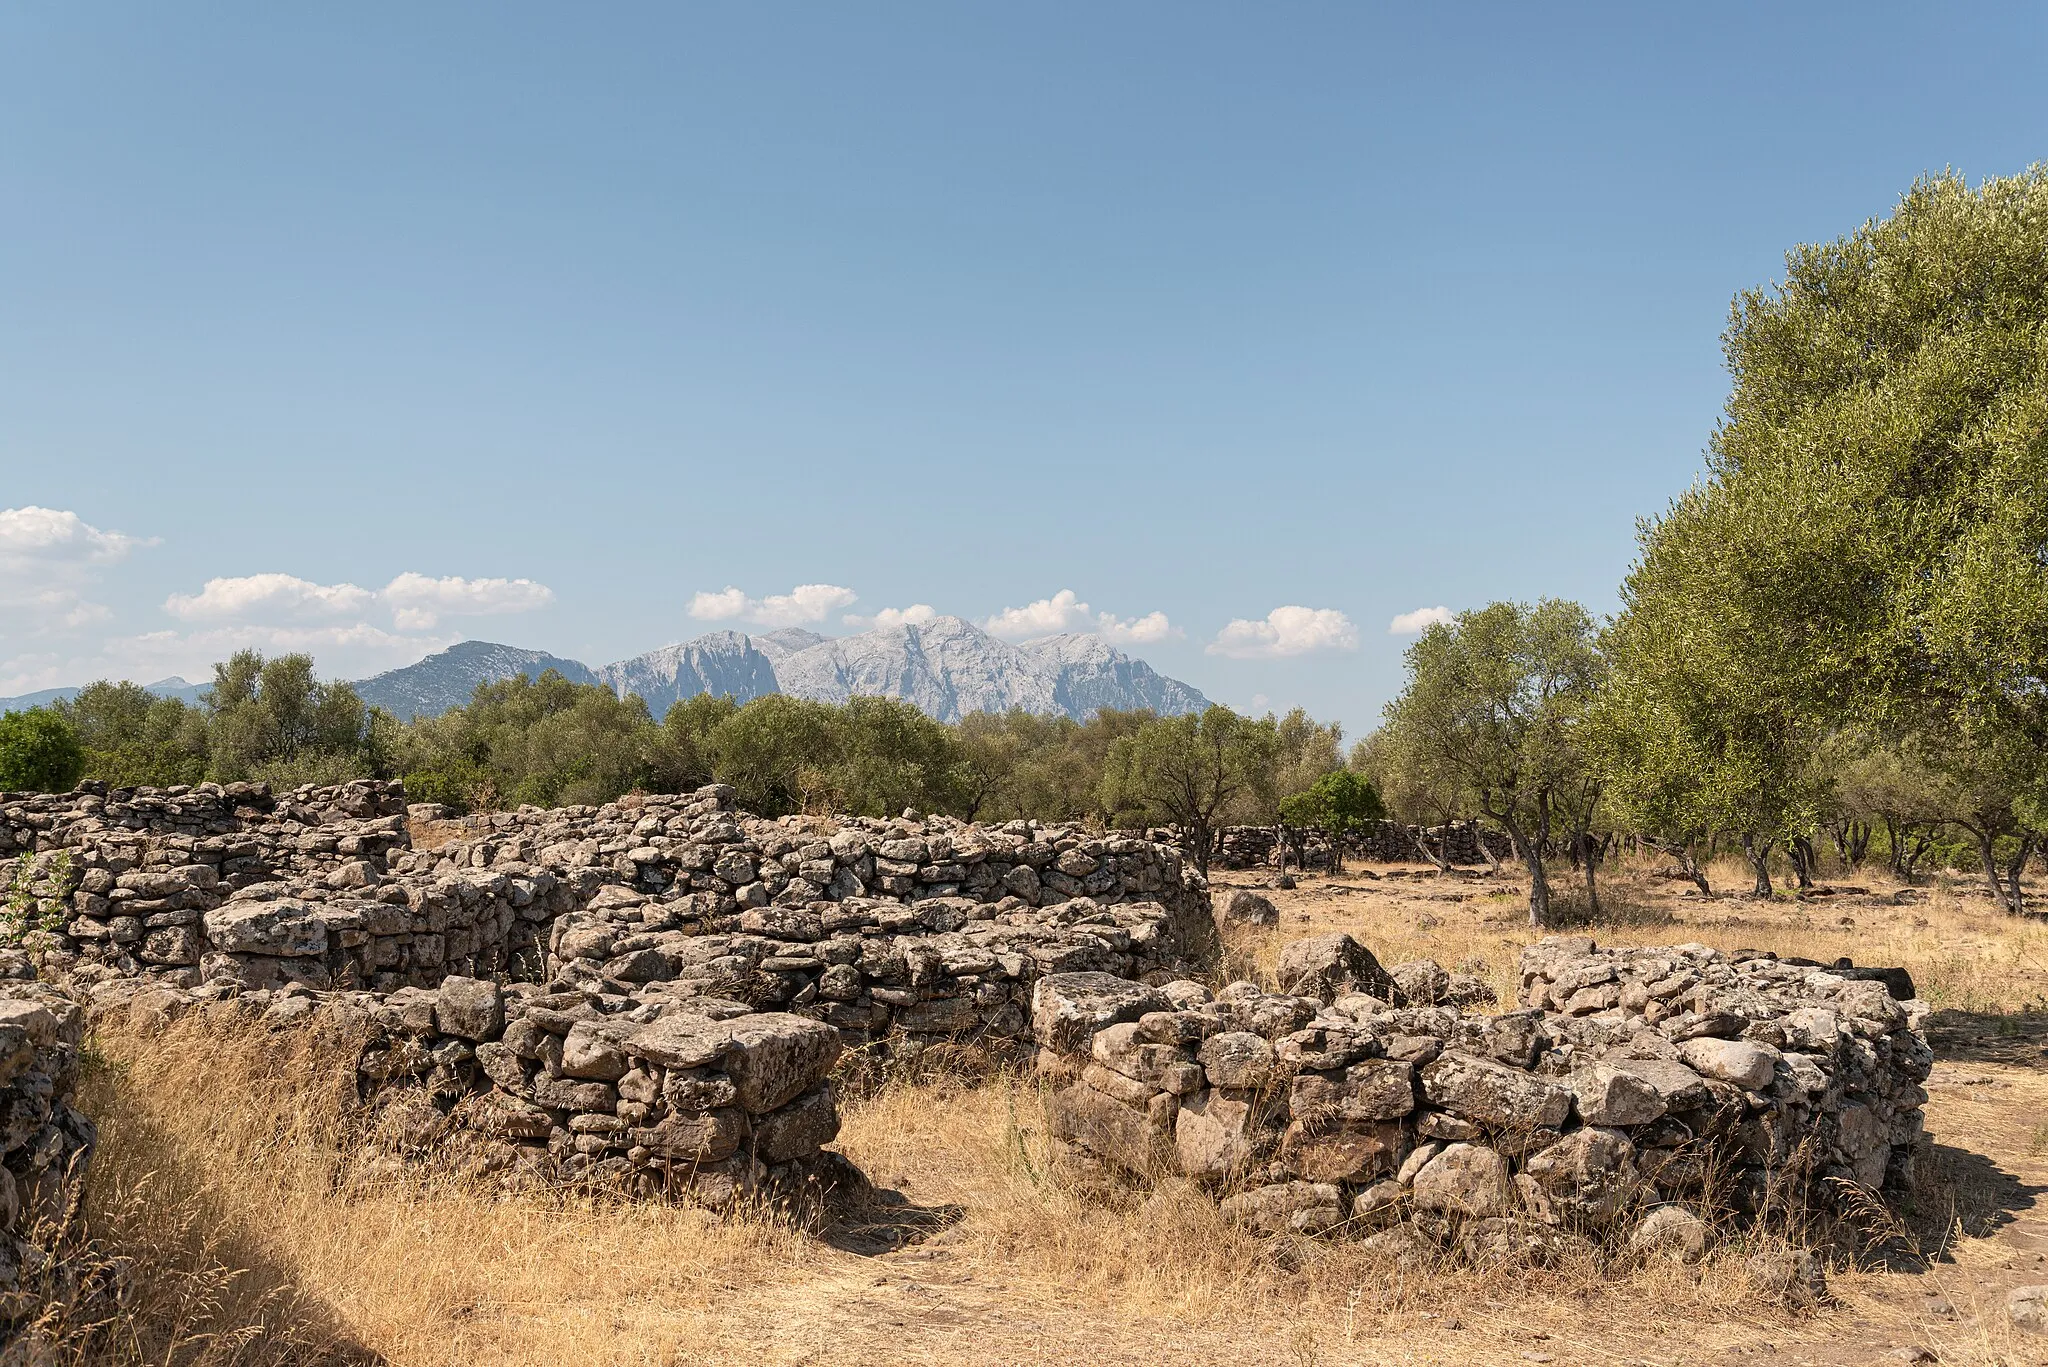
(1638, 1095)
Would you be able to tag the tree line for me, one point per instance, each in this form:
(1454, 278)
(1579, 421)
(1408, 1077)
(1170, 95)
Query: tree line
(551, 742)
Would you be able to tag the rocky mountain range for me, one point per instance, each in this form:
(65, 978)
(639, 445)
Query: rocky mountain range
(948, 667)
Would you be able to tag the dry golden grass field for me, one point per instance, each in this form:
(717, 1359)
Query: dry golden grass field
(250, 1241)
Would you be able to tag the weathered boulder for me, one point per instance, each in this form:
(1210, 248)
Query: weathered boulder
(1328, 966)
(1748, 1065)
(286, 928)
(1246, 907)
(1609, 1095)
(1588, 1176)
(1287, 1207)
(1464, 1179)
(1068, 1008)
(1494, 1095)
(469, 1009)
(1670, 1230)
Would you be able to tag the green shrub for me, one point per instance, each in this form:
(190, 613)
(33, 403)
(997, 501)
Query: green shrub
(39, 752)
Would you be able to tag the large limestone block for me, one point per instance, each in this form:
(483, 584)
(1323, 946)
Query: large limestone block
(286, 928)
(1354, 1151)
(1112, 1131)
(1068, 1008)
(1215, 1137)
(1588, 1175)
(1608, 1095)
(1374, 1089)
(1495, 1095)
(1328, 966)
(799, 1128)
(470, 1009)
(1747, 1065)
(771, 1056)
(1464, 1179)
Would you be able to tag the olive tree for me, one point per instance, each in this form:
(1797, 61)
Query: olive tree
(1186, 770)
(1867, 549)
(1497, 699)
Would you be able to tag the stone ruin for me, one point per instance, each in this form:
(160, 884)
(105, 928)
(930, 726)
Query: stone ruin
(652, 994)
(657, 994)
(1637, 1093)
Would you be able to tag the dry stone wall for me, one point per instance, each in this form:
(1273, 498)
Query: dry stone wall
(44, 1140)
(1638, 1093)
(650, 994)
(325, 888)
(645, 1092)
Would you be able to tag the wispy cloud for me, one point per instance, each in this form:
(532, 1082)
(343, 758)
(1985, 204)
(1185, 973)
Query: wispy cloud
(916, 615)
(50, 561)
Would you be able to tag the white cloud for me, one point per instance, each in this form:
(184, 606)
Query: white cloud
(418, 602)
(1145, 630)
(1064, 611)
(272, 596)
(916, 615)
(1418, 621)
(803, 604)
(1290, 630)
(50, 558)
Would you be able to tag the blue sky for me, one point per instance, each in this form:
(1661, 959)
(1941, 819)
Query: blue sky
(543, 324)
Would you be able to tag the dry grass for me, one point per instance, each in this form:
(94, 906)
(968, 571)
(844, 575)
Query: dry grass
(223, 1174)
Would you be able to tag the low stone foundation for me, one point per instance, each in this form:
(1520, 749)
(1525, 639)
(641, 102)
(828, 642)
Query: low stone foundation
(1675, 1086)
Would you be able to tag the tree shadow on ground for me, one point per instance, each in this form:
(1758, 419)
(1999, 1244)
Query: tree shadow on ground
(888, 1221)
(2017, 1037)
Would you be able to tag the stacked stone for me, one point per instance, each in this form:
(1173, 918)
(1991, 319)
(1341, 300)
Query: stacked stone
(44, 1142)
(119, 881)
(650, 1092)
(941, 968)
(1682, 1084)
(324, 888)
(699, 843)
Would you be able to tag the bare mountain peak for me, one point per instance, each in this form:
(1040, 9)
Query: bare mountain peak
(949, 667)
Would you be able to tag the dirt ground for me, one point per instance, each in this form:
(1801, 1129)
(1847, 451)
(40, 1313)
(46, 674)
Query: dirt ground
(993, 1259)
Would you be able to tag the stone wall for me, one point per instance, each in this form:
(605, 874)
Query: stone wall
(44, 1142)
(325, 887)
(1639, 1093)
(649, 1092)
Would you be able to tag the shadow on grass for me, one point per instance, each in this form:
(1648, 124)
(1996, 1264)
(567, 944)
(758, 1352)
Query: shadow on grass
(2019, 1037)
(194, 1290)
(888, 1221)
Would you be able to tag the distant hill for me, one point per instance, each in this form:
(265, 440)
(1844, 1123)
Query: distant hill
(173, 687)
(449, 678)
